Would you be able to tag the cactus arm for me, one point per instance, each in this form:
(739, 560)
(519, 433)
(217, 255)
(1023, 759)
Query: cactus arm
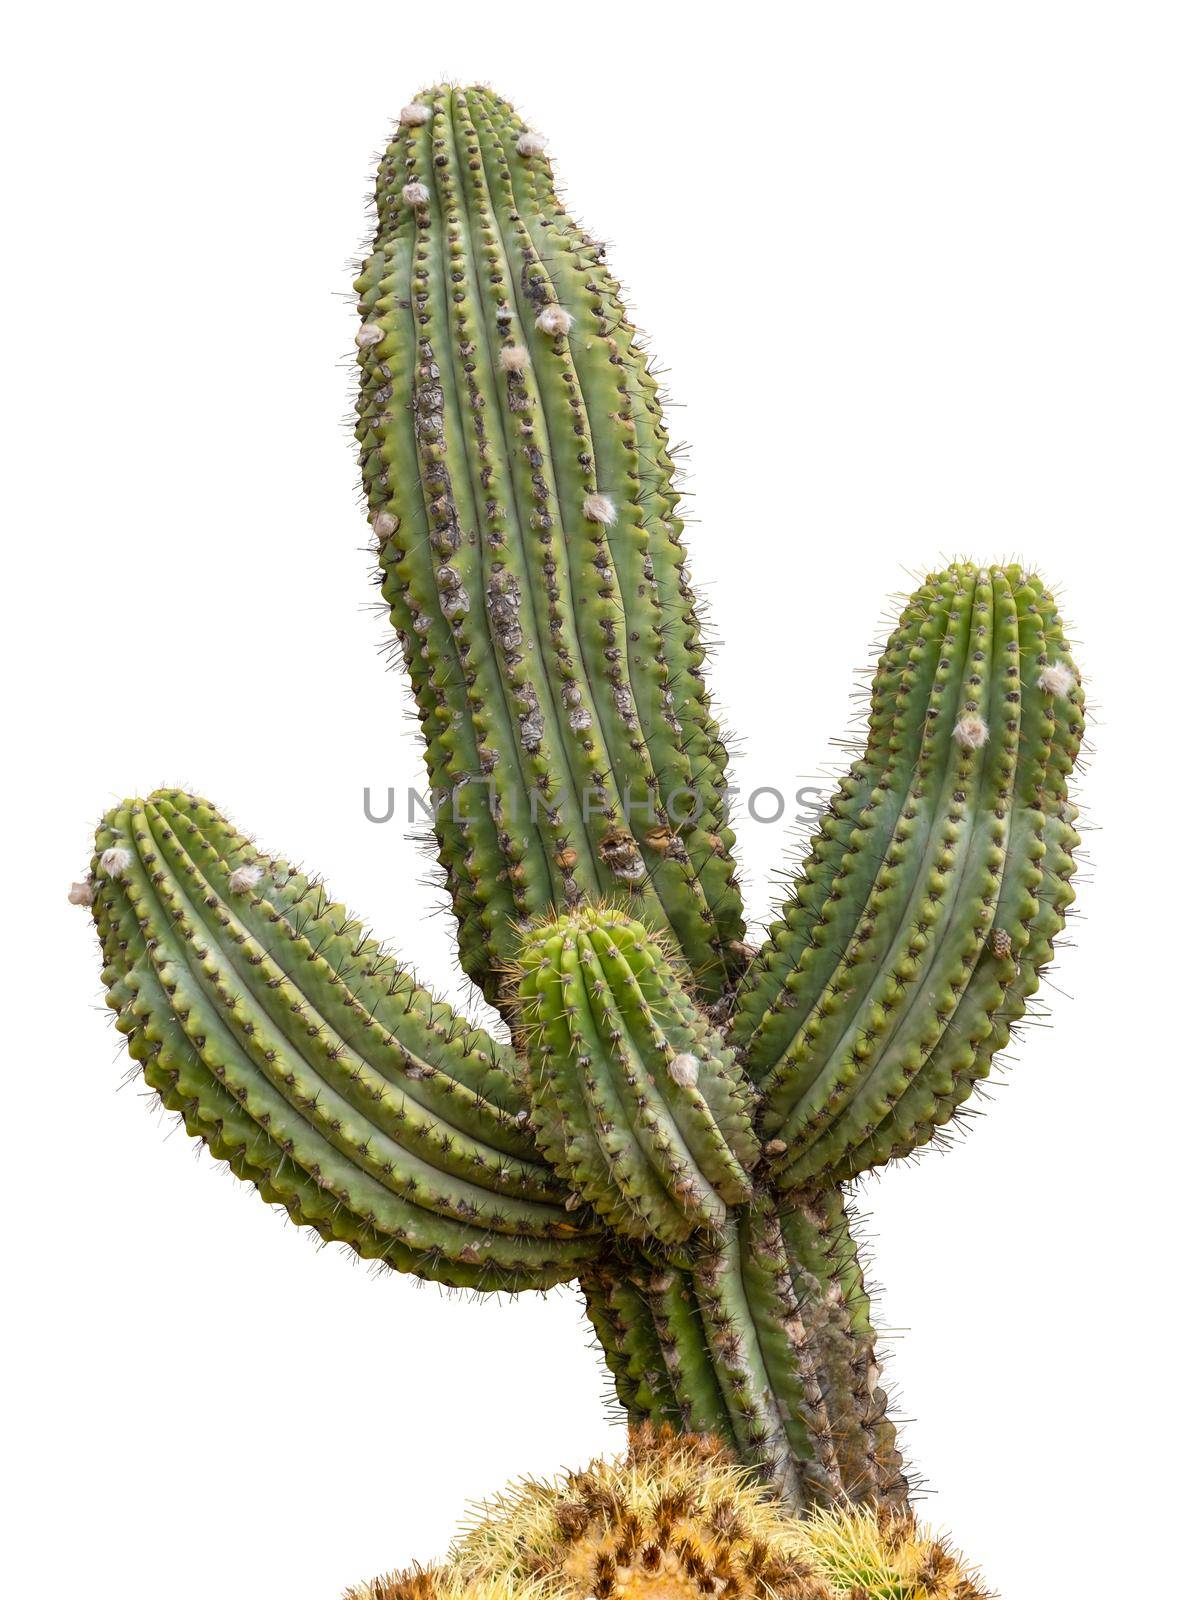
(636, 1104)
(925, 914)
(226, 971)
(663, 629)
(496, 463)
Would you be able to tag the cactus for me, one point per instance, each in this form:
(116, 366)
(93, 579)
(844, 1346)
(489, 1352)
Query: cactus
(677, 1117)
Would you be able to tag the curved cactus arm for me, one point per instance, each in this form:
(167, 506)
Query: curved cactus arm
(764, 1340)
(520, 491)
(314, 1064)
(934, 890)
(635, 1099)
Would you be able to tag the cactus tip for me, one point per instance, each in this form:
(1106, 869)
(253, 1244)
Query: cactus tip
(971, 731)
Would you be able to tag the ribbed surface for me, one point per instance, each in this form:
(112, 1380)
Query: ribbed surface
(520, 490)
(932, 894)
(763, 1340)
(308, 1059)
(635, 1100)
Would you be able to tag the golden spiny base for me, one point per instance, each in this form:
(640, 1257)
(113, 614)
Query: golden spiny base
(677, 1519)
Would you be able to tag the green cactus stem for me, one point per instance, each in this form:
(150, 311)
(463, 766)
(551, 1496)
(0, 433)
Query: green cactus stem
(304, 1056)
(764, 1339)
(675, 1124)
(932, 895)
(521, 496)
(635, 1100)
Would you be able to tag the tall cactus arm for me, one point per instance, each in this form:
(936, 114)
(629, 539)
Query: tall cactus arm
(519, 486)
(934, 890)
(305, 1057)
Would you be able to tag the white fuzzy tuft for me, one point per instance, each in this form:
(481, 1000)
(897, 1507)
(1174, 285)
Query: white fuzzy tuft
(530, 144)
(385, 524)
(1057, 680)
(243, 878)
(414, 115)
(369, 333)
(514, 358)
(554, 319)
(599, 508)
(81, 894)
(416, 194)
(503, 313)
(115, 861)
(971, 731)
(684, 1069)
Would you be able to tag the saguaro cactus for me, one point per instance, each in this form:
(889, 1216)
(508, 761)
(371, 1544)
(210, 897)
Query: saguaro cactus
(678, 1114)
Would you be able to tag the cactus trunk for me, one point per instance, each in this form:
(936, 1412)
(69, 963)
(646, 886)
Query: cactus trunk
(765, 1341)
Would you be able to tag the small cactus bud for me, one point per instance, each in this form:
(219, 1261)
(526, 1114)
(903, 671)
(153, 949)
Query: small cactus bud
(971, 731)
(1057, 680)
(81, 894)
(115, 861)
(1001, 944)
(554, 319)
(684, 1069)
(530, 144)
(414, 115)
(415, 194)
(599, 508)
(385, 524)
(369, 333)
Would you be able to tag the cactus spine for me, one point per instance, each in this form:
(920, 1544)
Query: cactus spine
(674, 1122)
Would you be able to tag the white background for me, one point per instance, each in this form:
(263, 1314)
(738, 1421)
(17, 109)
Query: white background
(912, 270)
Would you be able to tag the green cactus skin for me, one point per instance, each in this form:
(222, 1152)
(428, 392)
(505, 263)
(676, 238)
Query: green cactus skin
(520, 490)
(314, 1064)
(674, 1125)
(635, 1100)
(931, 897)
(764, 1340)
